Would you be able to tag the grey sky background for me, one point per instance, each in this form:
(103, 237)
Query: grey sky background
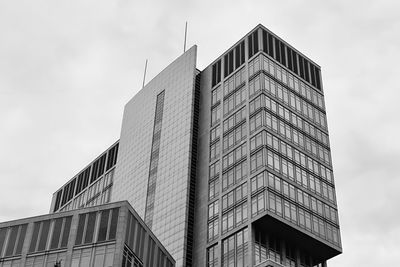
(67, 68)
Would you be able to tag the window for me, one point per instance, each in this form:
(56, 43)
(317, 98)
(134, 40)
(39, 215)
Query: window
(234, 156)
(239, 55)
(215, 114)
(216, 73)
(234, 175)
(61, 228)
(215, 95)
(253, 43)
(214, 150)
(234, 100)
(16, 237)
(213, 229)
(213, 209)
(235, 249)
(234, 137)
(258, 203)
(213, 189)
(212, 256)
(234, 208)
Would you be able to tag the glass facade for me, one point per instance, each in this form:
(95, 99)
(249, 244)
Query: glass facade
(269, 157)
(212, 158)
(92, 186)
(102, 236)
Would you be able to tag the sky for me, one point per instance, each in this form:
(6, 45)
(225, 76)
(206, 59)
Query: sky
(67, 68)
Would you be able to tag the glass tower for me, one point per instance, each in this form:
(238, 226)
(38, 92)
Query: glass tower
(264, 176)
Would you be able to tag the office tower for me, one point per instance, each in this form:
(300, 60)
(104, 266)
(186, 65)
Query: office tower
(102, 236)
(229, 166)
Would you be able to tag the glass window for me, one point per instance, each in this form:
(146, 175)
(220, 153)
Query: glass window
(102, 235)
(11, 241)
(43, 235)
(56, 233)
(90, 227)
(3, 232)
(21, 239)
(36, 227)
(113, 225)
(65, 235)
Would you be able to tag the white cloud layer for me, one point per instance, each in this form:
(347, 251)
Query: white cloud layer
(68, 67)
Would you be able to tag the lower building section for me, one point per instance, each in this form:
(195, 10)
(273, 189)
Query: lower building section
(268, 242)
(101, 236)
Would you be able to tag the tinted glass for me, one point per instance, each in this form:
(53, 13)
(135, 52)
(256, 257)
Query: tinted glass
(103, 225)
(43, 235)
(3, 232)
(90, 227)
(32, 246)
(21, 239)
(65, 235)
(114, 221)
(81, 226)
(56, 233)
(11, 241)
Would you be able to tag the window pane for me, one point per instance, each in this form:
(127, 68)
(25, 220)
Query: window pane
(11, 241)
(103, 225)
(113, 226)
(32, 247)
(43, 235)
(56, 233)
(81, 226)
(65, 236)
(21, 240)
(3, 232)
(90, 227)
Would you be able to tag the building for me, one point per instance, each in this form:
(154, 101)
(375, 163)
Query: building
(101, 236)
(229, 166)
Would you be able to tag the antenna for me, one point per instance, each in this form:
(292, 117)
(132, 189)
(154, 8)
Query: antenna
(184, 43)
(144, 76)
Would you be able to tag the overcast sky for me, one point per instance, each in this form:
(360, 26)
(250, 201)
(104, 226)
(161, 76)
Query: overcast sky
(67, 68)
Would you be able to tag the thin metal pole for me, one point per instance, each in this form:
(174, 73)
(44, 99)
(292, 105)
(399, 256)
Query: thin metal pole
(184, 44)
(144, 76)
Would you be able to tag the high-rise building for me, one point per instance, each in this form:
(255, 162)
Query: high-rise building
(228, 166)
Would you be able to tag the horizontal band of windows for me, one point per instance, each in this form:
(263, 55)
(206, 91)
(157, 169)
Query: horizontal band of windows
(294, 155)
(268, 201)
(268, 180)
(266, 159)
(265, 83)
(265, 100)
(282, 77)
(283, 143)
(291, 119)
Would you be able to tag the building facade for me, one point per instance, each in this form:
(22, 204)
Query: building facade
(264, 175)
(101, 236)
(229, 166)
